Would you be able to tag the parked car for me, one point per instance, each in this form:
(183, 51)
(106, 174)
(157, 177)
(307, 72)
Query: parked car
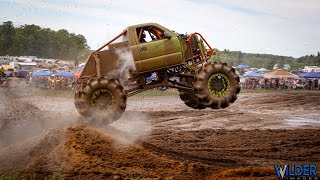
(60, 69)
(47, 70)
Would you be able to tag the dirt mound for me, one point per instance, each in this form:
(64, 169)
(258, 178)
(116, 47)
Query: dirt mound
(95, 152)
(91, 153)
(34, 154)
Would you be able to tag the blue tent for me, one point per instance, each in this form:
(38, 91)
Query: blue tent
(243, 67)
(252, 74)
(311, 74)
(64, 74)
(41, 73)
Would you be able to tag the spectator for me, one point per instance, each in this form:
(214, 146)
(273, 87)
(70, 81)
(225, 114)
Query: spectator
(2, 77)
(276, 84)
(262, 83)
(316, 84)
(309, 85)
(266, 83)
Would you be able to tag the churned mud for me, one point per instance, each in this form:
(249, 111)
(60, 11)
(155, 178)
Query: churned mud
(159, 137)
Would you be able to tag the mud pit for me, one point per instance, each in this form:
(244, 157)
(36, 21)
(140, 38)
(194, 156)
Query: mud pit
(159, 137)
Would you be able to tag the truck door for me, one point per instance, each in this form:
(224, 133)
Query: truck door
(156, 50)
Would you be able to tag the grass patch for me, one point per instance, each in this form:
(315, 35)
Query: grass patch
(69, 93)
(153, 92)
(13, 175)
(170, 92)
(278, 91)
(52, 93)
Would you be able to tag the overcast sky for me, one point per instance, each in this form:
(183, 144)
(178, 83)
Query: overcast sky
(282, 27)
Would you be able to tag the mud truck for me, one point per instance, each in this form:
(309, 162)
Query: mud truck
(121, 67)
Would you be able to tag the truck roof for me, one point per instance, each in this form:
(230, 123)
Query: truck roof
(144, 24)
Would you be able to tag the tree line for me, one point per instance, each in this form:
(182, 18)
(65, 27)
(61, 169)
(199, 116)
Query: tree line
(32, 40)
(267, 61)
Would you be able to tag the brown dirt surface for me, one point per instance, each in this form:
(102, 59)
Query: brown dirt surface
(159, 138)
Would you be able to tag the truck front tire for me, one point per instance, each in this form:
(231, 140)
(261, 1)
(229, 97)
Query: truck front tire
(101, 101)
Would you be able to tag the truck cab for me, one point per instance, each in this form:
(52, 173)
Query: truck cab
(154, 47)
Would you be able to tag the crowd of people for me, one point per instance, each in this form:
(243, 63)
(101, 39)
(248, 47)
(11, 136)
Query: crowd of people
(43, 82)
(280, 83)
(51, 82)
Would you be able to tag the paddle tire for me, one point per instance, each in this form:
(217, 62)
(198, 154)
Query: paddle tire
(188, 97)
(101, 101)
(216, 85)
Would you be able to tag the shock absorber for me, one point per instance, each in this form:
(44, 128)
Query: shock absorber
(97, 60)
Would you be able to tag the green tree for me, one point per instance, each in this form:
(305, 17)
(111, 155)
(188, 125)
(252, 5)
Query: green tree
(45, 43)
(280, 62)
(239, 58)
(6, 37)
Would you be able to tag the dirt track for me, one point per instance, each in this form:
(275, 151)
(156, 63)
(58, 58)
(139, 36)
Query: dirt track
(159, 137)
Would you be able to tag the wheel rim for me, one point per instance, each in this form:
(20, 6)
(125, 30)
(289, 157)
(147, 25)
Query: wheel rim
(102, 100)
(218, 85)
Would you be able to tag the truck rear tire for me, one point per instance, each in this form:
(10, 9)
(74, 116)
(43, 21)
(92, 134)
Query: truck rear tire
(217, 85)
(101, 101)
(188, 97)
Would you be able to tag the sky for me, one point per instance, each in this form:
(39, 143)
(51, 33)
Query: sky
(281, 27)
